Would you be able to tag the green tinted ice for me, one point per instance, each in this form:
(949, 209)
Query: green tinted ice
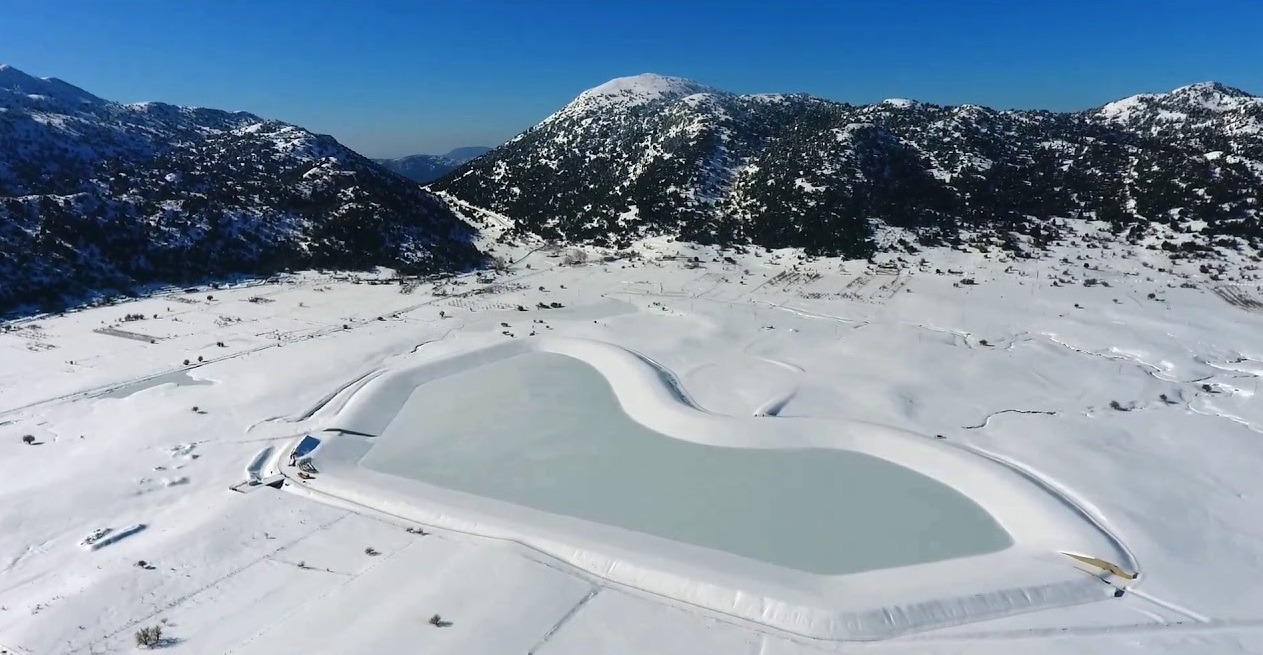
(546, 431)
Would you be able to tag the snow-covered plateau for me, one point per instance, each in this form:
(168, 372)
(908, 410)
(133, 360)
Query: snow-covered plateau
(284, 467)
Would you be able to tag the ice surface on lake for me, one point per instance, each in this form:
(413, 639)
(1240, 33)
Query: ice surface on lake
(546, 431)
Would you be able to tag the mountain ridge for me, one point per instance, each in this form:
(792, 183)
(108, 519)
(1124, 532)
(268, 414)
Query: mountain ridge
(662, 156)
(98, 197)
(425, 168)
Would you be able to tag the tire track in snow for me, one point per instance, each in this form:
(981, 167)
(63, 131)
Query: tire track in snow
(311, 600)
(319, 330)
(775, 404)
(1166, 604)
(13, 650)
(1155, 372)
(179, 600)
(1228, 417)
(596, 589)
(546, 559)
(992, 415)
(1158, 374)
(809, 314)
(1095, 631)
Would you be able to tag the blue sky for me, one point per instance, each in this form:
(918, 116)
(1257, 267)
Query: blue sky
(391, 77)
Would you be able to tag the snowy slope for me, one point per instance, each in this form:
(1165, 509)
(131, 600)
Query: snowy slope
(1121, 377)
(624, 93)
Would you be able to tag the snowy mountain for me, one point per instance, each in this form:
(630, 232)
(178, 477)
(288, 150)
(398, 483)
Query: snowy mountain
(628, 92)
(97, 197)
(427, 168)
(652, 155)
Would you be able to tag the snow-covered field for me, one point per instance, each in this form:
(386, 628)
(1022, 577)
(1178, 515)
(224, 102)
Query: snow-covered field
(1116, 420)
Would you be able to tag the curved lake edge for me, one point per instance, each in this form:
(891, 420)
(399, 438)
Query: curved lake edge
(872, 604)
(545, 431)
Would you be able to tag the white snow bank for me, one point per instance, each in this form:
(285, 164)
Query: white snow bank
(874, 604)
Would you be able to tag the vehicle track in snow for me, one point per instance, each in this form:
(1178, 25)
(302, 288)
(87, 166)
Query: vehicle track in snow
(1086, 632)
(181, 599)
(992, 415)
(774, 405)
(596, 589)
(316, 333)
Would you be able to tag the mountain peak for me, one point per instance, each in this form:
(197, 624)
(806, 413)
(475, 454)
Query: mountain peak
(830, 177)
(639, 89)
(900, 103)
(12, 79)
(1212, 96)
(1210, 88)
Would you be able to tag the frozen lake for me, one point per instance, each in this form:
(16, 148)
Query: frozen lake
(546, 431)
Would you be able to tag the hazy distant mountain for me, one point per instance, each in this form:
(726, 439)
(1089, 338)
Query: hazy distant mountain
(467, 153)
(650, 155)
(427, 168)
(97, 196)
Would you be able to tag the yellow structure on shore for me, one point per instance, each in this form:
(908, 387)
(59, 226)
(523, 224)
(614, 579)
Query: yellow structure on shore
(1104, 565)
